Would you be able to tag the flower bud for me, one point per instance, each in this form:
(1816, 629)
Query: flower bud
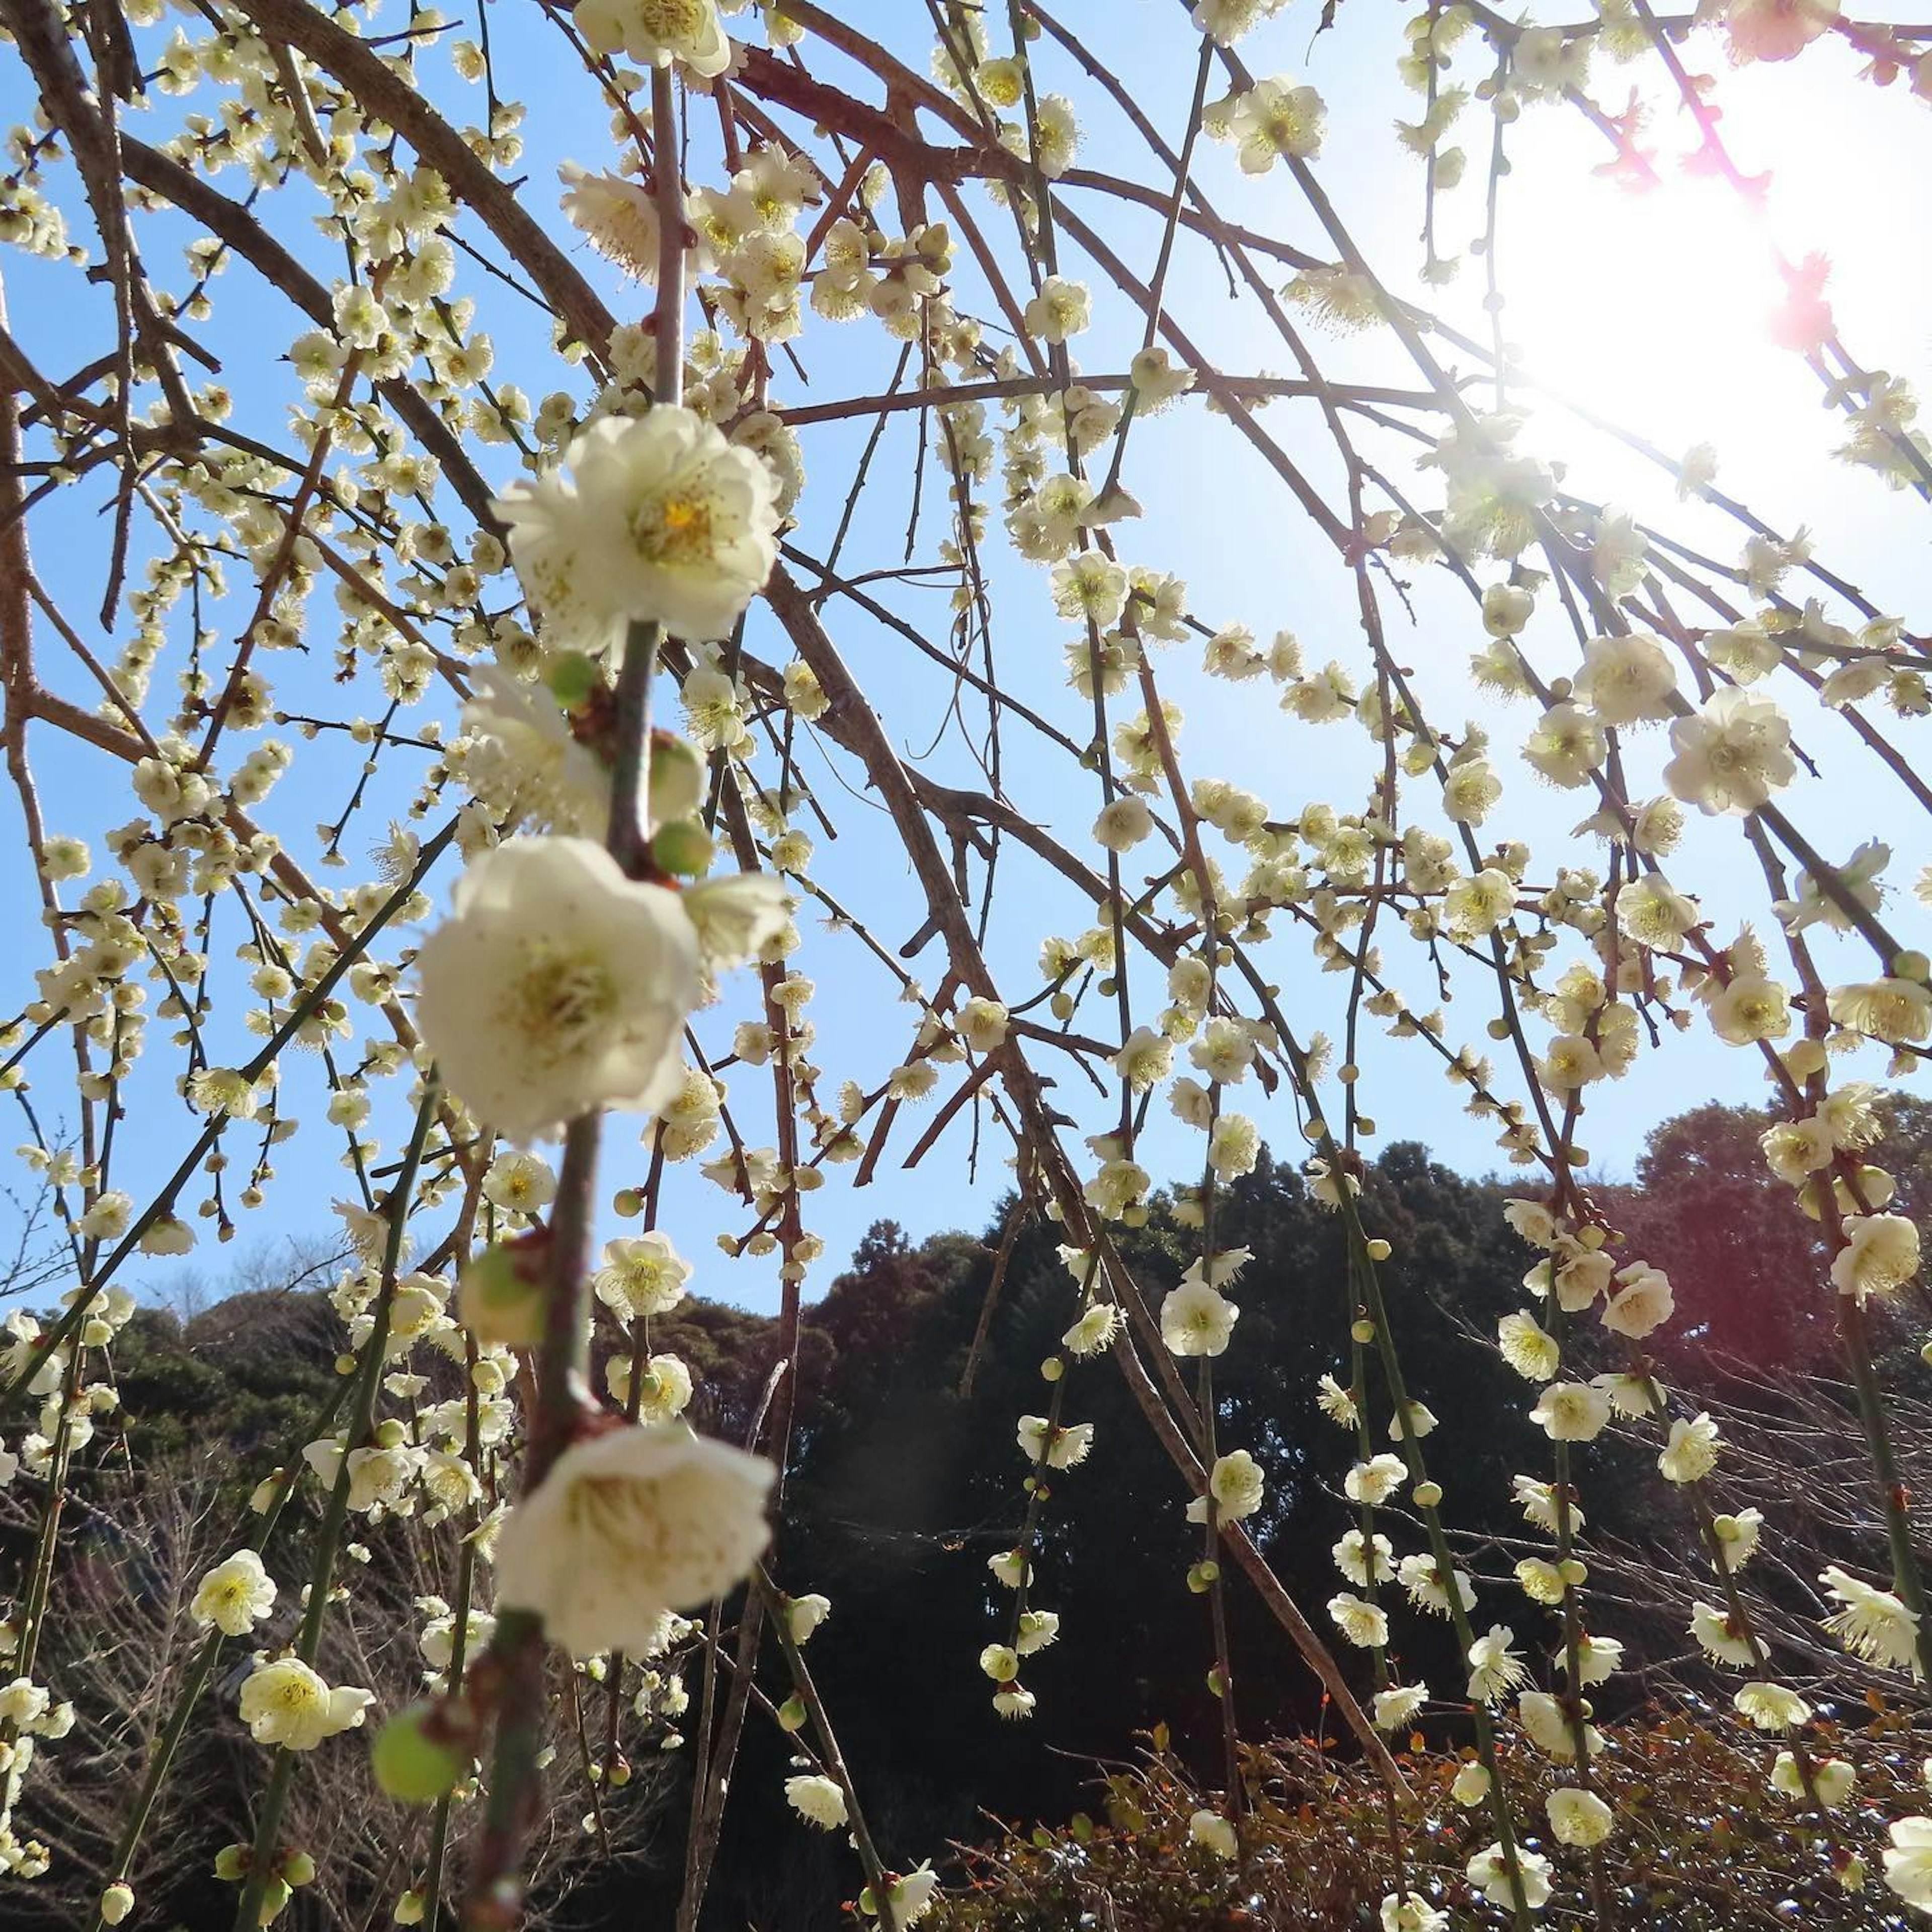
(1379, 1250)
(116, 1902)
(1428, 1495)
(1506, 607)
(411, 1762)
(683, 848)
(803, 1615)
(1202, 1577)
(232, 1863)
(275, 1896)
(1363, 1331)
(297, 1868)
(792, 1714)
(1805, 1058)
(676, 779)
(572, 678)
(500, 1294)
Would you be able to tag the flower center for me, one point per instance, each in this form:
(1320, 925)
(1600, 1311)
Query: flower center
(621, 1515)
(558, 1002)
(674, 529)
(670, 20)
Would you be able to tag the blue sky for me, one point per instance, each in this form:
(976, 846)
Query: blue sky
(1652, 314)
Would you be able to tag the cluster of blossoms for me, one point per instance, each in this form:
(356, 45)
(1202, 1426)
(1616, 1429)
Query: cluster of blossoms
(31, 1715)
(587, 934)
(563, 982)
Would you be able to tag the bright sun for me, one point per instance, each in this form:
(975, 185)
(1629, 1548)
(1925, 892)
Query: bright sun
(1651, 309)
(1654, 308)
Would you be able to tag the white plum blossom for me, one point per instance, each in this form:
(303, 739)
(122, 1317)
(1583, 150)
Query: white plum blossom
(1197, 1320)
(630, 1523)
(805, 1614)
(1064, 1447)
(1627, 680)
(1880, 1256)
(1495, 1667)
(1771, 1707)
(1094, 1331)
(1212, 1833)
(1527, 1347)
(1276, 119)
(658, 519)
(642, 1274)
(1908, 1861)
(1774, 30)
(619, 217)
(1577, 1817)
(1037, 1630)
(1362, 1623)
(1571, 1411)
(819, 1800)
(1376, 1479)
(518, 753)
(1831, 1777)
(909, 1894)
(1643, 1303)
(558, 985)
(1410, 1912)
(1400, 1706)
(235, 1596)
(658, 32)
(1894, 1010)
(1872, 1623)
(1488, 1871)
(1731, 754)
(1691, 1453)
(285, 1702)
(1566, 745)
(663, 1390)
(982, 1024)
(1238, 1485)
